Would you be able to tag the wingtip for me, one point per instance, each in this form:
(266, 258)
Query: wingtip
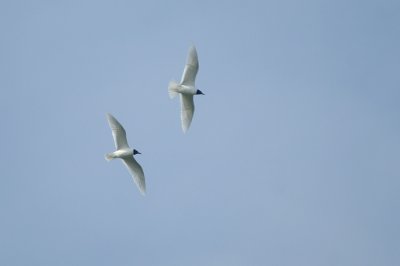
(111, 119)
(142, 188)
(109, 116)
(192, 49)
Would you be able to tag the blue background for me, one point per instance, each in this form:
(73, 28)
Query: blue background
(293, 156)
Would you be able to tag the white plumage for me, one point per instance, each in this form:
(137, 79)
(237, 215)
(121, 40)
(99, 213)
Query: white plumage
(186, 88)
(125, 153)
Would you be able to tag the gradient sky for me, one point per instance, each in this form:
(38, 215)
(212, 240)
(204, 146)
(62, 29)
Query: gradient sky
(293, 156)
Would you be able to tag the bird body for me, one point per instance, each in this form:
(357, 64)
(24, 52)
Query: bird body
(186, 88)
(119, 154)
(125, 153)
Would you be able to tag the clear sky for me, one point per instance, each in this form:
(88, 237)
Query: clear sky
(293, 156)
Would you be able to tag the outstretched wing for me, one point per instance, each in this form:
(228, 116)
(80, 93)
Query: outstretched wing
(187, 111)
(118, 133)
(191, 68)
(136, 171)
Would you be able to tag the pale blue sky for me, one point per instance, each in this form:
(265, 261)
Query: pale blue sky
(293, 156)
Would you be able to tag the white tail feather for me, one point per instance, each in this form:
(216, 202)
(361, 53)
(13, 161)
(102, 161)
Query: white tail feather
(173, 87)
(108, 157)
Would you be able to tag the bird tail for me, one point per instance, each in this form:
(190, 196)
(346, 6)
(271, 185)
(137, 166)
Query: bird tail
(109, 157)
(173, 87)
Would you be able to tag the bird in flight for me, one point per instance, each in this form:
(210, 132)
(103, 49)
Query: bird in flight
(186, 88)
(125, 153)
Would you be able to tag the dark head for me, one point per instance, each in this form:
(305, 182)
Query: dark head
(199, 92)
(136, 152)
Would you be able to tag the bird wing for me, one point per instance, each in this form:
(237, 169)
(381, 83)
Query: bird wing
(187, 110)
(118, 133)
(136, 171)
(191, 68)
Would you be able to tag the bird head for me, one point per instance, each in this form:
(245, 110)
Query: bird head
(135, 152)
(199, 92)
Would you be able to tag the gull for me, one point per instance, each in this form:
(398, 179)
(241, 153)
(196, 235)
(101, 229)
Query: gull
(125, 153)
(186, 88)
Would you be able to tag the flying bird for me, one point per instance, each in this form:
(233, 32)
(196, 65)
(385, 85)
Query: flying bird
(125, 153)
(186, 88)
